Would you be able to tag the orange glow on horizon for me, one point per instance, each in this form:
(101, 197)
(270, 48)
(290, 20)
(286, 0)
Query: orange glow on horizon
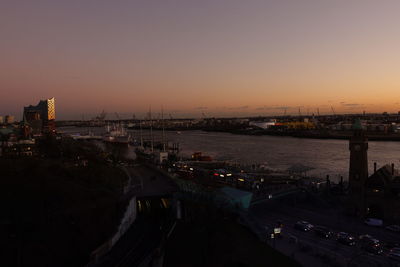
(220, 58)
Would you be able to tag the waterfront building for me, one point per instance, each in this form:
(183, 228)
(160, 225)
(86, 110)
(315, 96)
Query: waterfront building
(1, 120)
(41, 118)
(22, 148)
(263, 124)
(299, 125)
(9, 119)
(382, 194)
(236, 198)
(375, 196)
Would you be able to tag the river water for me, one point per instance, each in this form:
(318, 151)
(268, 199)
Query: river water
(326, 157)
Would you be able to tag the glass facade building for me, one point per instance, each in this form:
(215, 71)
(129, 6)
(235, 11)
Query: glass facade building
(41, 118)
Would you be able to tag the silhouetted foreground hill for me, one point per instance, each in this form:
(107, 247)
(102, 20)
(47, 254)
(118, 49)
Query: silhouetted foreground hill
(56, 210)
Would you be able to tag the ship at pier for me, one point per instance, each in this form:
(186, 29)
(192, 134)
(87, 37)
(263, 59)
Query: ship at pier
(116, 134)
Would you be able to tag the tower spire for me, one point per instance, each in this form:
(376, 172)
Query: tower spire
(357, 124)
(358, 171)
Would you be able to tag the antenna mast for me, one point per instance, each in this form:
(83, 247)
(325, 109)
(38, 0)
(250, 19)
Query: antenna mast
(163, 128)
(151, 132)
(141, 134)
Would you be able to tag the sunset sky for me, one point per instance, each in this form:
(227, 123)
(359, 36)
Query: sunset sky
(217, 57)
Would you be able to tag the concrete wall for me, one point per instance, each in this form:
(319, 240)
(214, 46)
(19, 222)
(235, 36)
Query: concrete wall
(127, 220)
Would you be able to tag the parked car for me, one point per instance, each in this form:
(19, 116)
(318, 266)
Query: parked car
(303, 226)
(373, 248)
(393, 228)
(373, 222)
(371, 244)
(346, 239)
(322, 231)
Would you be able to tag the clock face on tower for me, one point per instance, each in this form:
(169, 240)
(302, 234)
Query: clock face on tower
(357, 147)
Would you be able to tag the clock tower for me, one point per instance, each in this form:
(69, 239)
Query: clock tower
(358, 171)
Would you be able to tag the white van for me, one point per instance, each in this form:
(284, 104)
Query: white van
(373, 222)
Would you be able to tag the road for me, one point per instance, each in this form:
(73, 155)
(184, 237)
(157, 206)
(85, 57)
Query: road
(268, 214)
(148, 181)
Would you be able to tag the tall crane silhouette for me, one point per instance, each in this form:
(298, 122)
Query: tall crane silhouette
(333, 111)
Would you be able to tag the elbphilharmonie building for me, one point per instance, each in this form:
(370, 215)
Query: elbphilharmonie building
(41, 118)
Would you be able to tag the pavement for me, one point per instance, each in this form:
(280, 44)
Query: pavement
(148, 181)
(310, 249)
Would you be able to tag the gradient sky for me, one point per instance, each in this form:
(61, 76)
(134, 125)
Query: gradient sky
(220, 57)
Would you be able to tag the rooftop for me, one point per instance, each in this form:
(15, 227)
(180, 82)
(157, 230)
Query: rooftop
(357, 124)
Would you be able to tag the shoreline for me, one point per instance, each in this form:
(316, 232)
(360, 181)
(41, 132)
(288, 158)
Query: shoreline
(307, 134)
(313, 135)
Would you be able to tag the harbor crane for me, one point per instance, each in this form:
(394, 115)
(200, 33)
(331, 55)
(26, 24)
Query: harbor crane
(333, 111)
(101, 116)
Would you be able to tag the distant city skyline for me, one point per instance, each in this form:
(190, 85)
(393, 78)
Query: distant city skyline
(220, 58)
(202, 112)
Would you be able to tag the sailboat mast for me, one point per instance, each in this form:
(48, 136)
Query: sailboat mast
(163, 128)
(151, 132)
(141, 134)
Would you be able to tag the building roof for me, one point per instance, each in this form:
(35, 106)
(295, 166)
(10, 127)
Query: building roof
(357, 124)
(381, 177)
(235, 193)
